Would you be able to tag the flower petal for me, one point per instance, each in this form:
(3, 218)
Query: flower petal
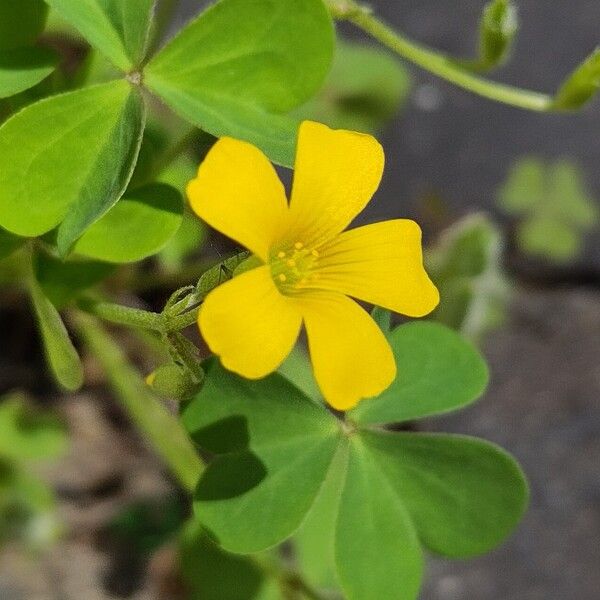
(237, 192)
(336, 174)
(249, 324)
(381, 264)
(351, 357)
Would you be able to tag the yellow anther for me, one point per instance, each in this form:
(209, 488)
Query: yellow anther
(281, 255)
(315, 253)
(291, 262)
(298, 245)
(282, 277)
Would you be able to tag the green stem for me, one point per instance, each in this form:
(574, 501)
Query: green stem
(161, 428)
(186, 354)
(124, 315)
(437, 63)
(184, 320)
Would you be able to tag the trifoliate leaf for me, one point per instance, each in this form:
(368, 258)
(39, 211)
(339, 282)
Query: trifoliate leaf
(555, 207)
(118, 28)
(238, 67)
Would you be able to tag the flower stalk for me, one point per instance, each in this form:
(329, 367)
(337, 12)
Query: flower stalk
(436, 62)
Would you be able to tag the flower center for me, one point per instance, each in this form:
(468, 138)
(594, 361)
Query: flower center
(293, 268)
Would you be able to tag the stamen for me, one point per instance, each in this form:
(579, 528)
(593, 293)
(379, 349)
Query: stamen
(292, 268)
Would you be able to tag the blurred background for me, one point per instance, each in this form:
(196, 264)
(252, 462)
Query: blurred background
(508, 203)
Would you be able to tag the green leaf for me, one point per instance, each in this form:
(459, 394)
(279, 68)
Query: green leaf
(139, 225)
(297, 369)
(499, 25)
(62, 282)
(155, 141)
(60, 352)
(550, 238)
(364, 90)
(568, 195)
(117, 157)
(555, 205)
(377, 550)
(27, 434)
(274, 447)
(94, 69)
(189, 239)
(524, 186)
(464, 495)
(581, 86)
(313, 543)
(68, 156)
(118, 28)
(22, 68)
(21, 22)
(9, 243)
(179, 172)
(438, 371)
(240, 65)
(213, 574)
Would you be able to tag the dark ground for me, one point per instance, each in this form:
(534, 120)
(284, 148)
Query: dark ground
(543, 402)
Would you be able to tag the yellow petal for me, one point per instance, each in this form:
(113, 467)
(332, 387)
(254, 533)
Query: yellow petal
(238, 193)
(382, 264)
(350, 355)
(336, 174)
(249, 324)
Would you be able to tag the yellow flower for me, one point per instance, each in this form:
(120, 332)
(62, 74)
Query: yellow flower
(307, 266)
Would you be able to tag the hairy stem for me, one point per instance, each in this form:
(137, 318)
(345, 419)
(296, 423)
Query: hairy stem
(124, 315)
